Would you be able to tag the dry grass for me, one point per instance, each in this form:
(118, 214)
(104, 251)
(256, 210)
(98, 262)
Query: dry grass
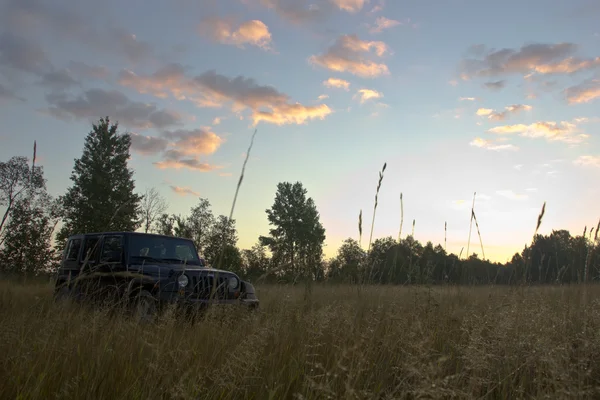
(379, 343)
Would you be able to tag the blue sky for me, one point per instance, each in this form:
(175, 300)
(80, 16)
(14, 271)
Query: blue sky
(456, 96)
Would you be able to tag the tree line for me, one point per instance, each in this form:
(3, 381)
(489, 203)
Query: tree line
(103, 197)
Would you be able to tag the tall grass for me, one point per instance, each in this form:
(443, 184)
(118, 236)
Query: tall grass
(391, 342)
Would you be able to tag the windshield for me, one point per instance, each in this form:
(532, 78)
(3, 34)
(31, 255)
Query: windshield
(163, 249)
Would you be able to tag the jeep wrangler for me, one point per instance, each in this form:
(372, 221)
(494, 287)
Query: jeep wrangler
(148, 271)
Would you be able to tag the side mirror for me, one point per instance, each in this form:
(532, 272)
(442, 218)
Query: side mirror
(112, 256)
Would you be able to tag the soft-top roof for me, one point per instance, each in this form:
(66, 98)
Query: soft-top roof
(126, 233)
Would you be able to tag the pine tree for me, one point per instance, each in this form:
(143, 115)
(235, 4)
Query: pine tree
(102, 197)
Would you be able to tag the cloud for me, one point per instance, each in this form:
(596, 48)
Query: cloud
(540, 58)
(184, 191)
(568, 66)
(337, 83)
(588, 161)
(552, 131)
(467, 99)
(88, 71)
(179, 148)
(253, 32)
(489, 145)
(173, 159)
(23, 55)
(148, 145)
(193, 142)
(216, 121)
(509, 194)
(61, 22)
(294, 11)
(286, 114)
(584, 92)
(170, 79)
(7, 94)
(185, 142)
(497, 85)
(500, 116)
(352, 6)
(382, 23)
(367, 94)
(347, 55)
(323, 96)
(95, 102)
(211, 89)
(58, 80)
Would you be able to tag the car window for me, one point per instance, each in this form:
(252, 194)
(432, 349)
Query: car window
(91, 246)
(184, 252)
(73, 249)
(111, 245)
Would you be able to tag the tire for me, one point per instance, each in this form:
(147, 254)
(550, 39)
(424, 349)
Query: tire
(63, 294)
(145, 308)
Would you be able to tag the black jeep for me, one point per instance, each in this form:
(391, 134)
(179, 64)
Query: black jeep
(148, 271)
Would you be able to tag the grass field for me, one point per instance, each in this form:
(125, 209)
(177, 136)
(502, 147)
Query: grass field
(341, 343)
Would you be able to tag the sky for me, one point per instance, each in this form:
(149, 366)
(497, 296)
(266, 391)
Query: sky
(458, 97)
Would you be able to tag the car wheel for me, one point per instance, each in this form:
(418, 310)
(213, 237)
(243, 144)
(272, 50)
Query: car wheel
(62, 294)
(144, 307)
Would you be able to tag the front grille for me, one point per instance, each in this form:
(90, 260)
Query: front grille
(204, 285)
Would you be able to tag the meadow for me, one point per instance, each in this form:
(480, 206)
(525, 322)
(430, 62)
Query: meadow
(334, 342)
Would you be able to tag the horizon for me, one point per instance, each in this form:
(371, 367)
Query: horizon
(452, 101)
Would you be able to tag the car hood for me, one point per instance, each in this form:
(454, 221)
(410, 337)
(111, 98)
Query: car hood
(149, 266)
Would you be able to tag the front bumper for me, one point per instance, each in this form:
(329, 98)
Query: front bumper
(191, 302)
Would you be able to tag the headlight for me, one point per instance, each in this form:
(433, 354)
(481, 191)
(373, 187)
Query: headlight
(183, 280)
(233, 282)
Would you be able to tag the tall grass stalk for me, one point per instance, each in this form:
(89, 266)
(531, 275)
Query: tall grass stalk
(237, 189)
(360, 229)
(445, 234)
(375, 205)
(479, 234)
(399, 233)
(471, 224)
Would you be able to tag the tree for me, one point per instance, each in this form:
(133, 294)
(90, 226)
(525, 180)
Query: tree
(152, 206)
(29, 219)
(199, 224)
(256, 261)
(27, 246)
(102, 197)
(222, 238)
(296, 240)
(348, 263)
(16, 179)
(165, 224)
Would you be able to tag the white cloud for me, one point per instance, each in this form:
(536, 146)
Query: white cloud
(588, 161)
(348, 54)
(509, 194)
(252, 32)
(367, 94)
(490, 145)
(382, 23)
(337, 83)
(552, 131)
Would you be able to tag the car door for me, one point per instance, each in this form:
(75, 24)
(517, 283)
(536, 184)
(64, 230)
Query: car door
(112, 256)
(72, 253)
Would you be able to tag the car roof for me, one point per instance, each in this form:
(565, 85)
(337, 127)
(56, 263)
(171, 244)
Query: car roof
(126, 233)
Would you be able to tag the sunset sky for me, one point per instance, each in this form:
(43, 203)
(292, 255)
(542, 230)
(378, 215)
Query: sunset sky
(457, 96)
